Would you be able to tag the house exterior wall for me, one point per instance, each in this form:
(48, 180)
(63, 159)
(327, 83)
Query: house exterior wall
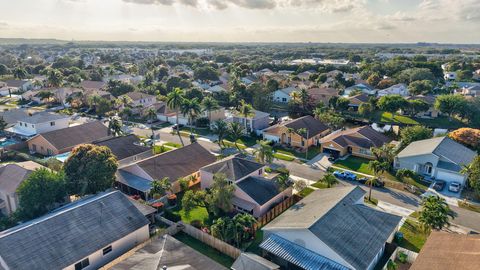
(39, 144)
(296, 139)
(119, 247)
(38, 128)
(10, 202)
(415, 163)
(144, 102)
(263, 209)
(279, 96)
(260, 123)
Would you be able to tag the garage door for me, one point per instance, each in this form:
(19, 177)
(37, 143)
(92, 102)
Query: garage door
(333, 152)
(450, 177)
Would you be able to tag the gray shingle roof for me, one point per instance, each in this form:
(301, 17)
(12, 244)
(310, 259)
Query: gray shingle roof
(12, 175)
(123, 146)
(260, 189)
(313, 126)
(370, 137)
(442, 147)
(234, 167)
(43, 117)
(250, 261)
(70, 233)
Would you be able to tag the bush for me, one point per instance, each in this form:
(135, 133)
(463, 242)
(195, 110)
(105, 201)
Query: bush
(168, 214)
(203, 122)
(402, 257)
(197, 223)
(268, 169)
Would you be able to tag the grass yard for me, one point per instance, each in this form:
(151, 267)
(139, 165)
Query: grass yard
(320, 185)
(232, 144)
(204, 249)
(386, 117)
(413, 236)
(312, 152)
(355, 164)
(198, 131)
(442, 122)
(198, 213)
(282, 156)
(254, 246)
(305, 192)
(172, 144)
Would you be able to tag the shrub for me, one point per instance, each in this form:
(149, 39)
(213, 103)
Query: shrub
(196, 223)
(168, 214)
(402, 257)
(203, 122)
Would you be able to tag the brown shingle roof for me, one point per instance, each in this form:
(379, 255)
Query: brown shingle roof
(138, 95)
(72, 136)
(124, 146)
(313, 126)
(371, 138)
(93, 84)
(12, 175)
(444, 251)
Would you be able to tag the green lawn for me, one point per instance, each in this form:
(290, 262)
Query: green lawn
(246, 140)
(320, 185)
(386, 117)
(198, 213)
(172, 144)
(442, 122)
(355, 164)
(232, 144)
(254, 246)
(305, 192)
(204, 249)
(413, 236)
(312, 151)
(284, 157)
(198, 131)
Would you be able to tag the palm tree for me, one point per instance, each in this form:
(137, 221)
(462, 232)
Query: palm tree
(246, 110)
(295, 95)
(434, 213)
(209, 104)
(114, 126)
(377, 168)
(235, 131)
(174, 101)
(318, 111)
(264, 153)
(54, 78)
(45, 95)
(304, 99)
(246, 222)
(223, 229)
(151, 116)
(93, 101)
(123, 100)
(220, 128)
(329, 179)
(191, 108)
(126, 113)
(20, 73)
(160, 187)
(304, 133)
(290, 131)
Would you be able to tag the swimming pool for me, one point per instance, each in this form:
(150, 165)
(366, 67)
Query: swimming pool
(6, 142)
(62, 157)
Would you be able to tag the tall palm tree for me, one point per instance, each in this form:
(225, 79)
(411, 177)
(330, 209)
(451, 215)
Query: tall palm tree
(246, 110)
(114, 126)
(123, 100)
(220, 128)
(174, 101)
(93, 101)
(377, 168)
(209, 104)
(329, 179)
(264, 153)
(304, 99)
(151, 116)
(54, 78)
(246, 224)
(191, 108)
(235, 130)
(434, 213)
(20, 73)
(304, 133)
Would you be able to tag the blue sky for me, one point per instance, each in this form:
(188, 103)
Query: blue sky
(455, 21)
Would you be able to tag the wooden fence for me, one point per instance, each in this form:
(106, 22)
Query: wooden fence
(211, 241)
(276, 211)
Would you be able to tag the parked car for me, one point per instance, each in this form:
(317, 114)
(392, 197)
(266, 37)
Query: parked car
(454, 187)
(378, 183)
(339, 174)
(175, 127)
(350, 176)
(438, 185)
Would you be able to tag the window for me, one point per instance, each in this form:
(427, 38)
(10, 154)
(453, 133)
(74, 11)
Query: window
(21, 124)
(284, 99)
(107, 250)
(83, 264)
(303, 142)
(52, 123)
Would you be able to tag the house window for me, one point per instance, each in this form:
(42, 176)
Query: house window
(284, 99)
(364, 151)
(21, 124)
(303, 142)
(83, 264)
(52, 123)
(107, 250)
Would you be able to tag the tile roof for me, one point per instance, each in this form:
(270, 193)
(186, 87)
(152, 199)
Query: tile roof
(12, 175)
(70, 233)
(250, 261)
(233, 167)
(444, 251)
(73, 136)
(167, 251)
(260, 189)
(123, 146)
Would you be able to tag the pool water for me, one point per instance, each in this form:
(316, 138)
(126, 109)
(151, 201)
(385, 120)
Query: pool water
(8, 142)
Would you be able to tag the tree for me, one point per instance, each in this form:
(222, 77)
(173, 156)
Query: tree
(126, 113)
(272, 85)
(434, 213)
(300, 185)
(206, 73)
(391, 104)
(221, 194)
(416, 106)
(20, 73)
(103, 106)
(235, 130)
(283, 180)
(175, 101)
(3, 69)
(415, 74)
(54, 78)
(246, 111)
(329, 179)
(90, 169)
(450, 104)
(191, 108)
(374, 79)
(385, 153)
(332, 120)
(404, 173)
(45, 95)
(472, 171)
(115, 126)
(39, 192)
(152, 116)
(414, 133)
(467, 136)
(160, 187)
(3, 124)
(224, 229)
(221, 129)
(264, 152)
(420, 87)
(377, 168)
(365, 109)
(342, 104)
(209, 104)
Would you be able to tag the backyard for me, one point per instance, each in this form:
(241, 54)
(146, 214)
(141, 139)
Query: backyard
(413, 236)
(198, 213)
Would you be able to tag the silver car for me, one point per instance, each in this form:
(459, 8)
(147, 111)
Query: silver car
(454, 187)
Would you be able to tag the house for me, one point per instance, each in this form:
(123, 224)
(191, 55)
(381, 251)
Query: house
(127, 149)
(85, 234)
(450, 76)
(184, 162)
(330, 229)
(64, 140)
(355, 141)
(165, 114)
(11, 176)
(322, 95)
(12, 116)
(217, 88)
(357, 100)
(250, 261)
(361, 87)
(255, 122)
(437, 158)
(93, 85)
(59, 94)
(16, 86)
(140, 99)
(37, 123)
(471, 90)
(397, 89)
(169, 252)
(445, 251)
(283, 95)
(288, 132)
(430, 100)
(254, 194)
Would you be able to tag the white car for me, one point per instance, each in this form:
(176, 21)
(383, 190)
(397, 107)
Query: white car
(454, 187)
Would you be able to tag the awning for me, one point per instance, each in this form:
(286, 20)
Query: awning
(243, 203)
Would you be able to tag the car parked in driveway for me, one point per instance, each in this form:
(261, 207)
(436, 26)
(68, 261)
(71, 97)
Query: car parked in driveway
(377, 183)
(339, 174)
(350, 176)
(439, 185)
(454, 187)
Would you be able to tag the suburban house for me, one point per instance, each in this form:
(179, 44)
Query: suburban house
(12, 116)
(140, 99)
(437, 158)
(93, 85)
(37, 123)
(85, 234)
(445, 251)
(355, 141)
(165, 114)
(217, 88)
(254, 194)
(330, 229)
(397, 89)
(59, 94)
(322, 95)
(283, 95)
(449, 76)
(251, 261)
(127, 149)
(169, 252)
(11, 176)
(362, 87)
(15, 86)
(288, 132)
(64, 140)
(473, 90)
(357, 100)
(430, 100)
(255, 122)
(137, 178)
